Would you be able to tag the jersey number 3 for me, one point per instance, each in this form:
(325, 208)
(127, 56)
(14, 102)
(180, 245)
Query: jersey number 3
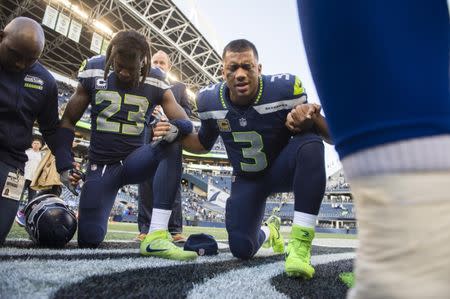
(254, 151)
(138, 117)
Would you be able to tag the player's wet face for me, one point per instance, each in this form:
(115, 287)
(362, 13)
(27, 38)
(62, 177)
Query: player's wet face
(127, 69)
(16, 56)
(241, 72)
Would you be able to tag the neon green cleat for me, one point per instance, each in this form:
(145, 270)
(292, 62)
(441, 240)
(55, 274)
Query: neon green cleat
(298, 253)
(348, 278)
(159, 244)
(275, 239)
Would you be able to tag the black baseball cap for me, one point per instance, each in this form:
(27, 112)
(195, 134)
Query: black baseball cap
(203, 244)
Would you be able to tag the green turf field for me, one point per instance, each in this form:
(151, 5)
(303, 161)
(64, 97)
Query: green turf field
(127, 231)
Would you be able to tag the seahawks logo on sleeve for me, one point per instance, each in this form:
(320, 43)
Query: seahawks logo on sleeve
(82, 66)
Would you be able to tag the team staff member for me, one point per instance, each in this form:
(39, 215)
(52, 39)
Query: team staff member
(28, 93)
(161, 60)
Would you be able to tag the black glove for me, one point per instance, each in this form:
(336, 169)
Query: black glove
(64, 176)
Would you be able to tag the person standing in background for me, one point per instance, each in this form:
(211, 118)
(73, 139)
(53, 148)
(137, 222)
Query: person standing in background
(34, 158)
(145, 204)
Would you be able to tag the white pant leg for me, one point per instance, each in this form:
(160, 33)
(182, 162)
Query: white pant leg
(404, 234)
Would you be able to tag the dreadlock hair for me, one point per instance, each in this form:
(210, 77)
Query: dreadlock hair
(132, 45)
(238, 46)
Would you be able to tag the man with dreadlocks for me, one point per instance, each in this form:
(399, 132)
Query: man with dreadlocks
(123, 90)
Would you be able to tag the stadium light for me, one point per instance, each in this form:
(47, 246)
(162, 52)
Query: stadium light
(74, 8)
(103, 27)
(66, 3)
(190, 93)
(172, 77)
(84, 16)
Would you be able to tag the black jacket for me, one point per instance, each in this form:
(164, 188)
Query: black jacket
(24, 98)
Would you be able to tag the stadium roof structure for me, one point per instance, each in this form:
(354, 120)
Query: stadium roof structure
(194, 60)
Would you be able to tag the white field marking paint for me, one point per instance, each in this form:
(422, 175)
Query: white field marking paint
(341, 243)
(10, 251)
(236, 283)
(7, 251)
(75, 241)
(122, 232)
(221, 245)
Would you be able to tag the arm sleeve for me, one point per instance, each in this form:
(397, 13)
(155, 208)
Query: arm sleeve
(208, 134)
(157, 78)
(54, 136)
(85, 75)
(179, 91)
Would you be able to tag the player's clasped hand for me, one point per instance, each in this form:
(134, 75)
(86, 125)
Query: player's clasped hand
(160, 130)
(302, 116)
(158, 114)
(164, 131)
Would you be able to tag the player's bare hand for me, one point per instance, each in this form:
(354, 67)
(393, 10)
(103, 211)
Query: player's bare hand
(290, 124)
(302, 117)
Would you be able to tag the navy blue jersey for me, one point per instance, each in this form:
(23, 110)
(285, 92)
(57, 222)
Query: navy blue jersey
(180, 94)
(118, 114)
(24, 98)
(255, 135)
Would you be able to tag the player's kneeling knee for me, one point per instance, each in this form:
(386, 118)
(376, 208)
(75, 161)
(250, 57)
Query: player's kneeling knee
(241, 246)
(82, 244)
(90, 236)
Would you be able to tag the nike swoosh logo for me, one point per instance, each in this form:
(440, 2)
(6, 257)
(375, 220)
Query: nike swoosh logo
(149, 249)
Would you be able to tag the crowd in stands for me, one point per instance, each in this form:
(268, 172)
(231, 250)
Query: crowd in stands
(332, 224)
(337, 182)
(193, 206)
(65, 91)
(219, 146)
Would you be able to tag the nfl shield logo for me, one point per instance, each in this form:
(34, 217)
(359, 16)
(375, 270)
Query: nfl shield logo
(243, 122)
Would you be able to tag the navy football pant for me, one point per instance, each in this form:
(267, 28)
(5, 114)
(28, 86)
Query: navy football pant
(168, 167)
(8, 207)
(300, 168)
(103, 182)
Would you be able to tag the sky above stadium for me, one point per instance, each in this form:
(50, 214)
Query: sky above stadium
(274, 29)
